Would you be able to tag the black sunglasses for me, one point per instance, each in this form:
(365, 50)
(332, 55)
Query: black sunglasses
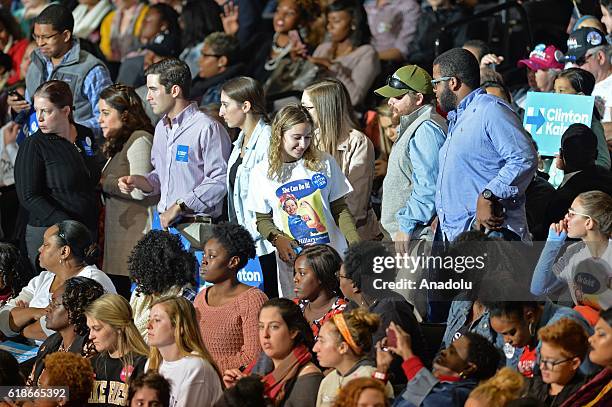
(397, 84)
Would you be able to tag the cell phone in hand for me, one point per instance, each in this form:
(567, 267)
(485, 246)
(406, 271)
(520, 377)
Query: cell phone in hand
(391, 338)
(16, 94)
(390, 341)
(296, 38)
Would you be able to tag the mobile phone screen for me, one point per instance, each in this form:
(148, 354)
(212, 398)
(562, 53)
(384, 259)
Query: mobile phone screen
(17, 94)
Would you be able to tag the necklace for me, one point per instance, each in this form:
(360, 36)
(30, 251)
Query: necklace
(280, 52)
(63, 348)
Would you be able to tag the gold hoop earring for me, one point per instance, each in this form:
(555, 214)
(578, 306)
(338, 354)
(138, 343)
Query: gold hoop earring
(531, 329)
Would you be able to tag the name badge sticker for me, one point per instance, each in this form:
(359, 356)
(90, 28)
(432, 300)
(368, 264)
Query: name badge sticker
(182, 153)
(319, 180)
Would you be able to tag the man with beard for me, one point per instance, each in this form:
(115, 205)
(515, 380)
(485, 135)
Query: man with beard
(487, 161)
(409, 188)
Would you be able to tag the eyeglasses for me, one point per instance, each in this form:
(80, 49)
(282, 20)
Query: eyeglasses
(550, 364)
(584, 59)
(340, 276)
(395, 83)
(435, 82)
(38, 38)
(571, 213)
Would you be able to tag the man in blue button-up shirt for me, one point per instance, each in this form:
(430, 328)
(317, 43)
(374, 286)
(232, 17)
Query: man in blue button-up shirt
(487, 160)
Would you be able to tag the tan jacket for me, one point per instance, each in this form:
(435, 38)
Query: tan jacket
(356, 158)
(128, 216)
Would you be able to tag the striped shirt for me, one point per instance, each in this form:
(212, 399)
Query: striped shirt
(190, 162)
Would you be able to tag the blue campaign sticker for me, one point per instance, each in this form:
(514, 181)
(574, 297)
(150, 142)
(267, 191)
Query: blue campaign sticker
(548, 115)
(182, 153)
(33, 122)
(319, 180)
(87, 145)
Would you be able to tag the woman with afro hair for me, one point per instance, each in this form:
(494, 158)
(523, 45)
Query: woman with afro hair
(227, 311)
(160, 267)
(66, 316)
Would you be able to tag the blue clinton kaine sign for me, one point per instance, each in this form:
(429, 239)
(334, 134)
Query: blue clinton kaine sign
(548, 115)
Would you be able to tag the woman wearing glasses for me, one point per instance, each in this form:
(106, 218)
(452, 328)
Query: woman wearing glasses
(564, 346)
(584, 264)
(66, 316)
(67, 251)
(597, 392)
(218, 63)
(338, 134)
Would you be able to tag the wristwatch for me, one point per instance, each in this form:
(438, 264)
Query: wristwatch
(488, 194)
(182, 205)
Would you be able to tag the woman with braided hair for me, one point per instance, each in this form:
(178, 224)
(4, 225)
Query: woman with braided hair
(66, 315)
(128, 133)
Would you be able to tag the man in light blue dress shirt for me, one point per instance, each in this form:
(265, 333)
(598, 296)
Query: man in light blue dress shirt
(189, 155)
(487, 160)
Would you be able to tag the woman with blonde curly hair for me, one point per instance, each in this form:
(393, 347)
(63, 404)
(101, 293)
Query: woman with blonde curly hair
(344, 344)
(505, 386)
(298, 194)
(178, 354)
(128, 135)
(363, 391)
(67, 370)
(122, 353)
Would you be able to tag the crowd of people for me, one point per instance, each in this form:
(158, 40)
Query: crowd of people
(302, 203)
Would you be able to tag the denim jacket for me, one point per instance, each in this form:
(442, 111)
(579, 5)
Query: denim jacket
(457, 317)
(551, 314)
(425, 390)
(255, 151)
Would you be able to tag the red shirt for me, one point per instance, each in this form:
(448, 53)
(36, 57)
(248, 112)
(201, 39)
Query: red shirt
(16, 53)
(527, 362)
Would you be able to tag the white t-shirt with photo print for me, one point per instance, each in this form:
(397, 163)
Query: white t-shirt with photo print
(300, 201)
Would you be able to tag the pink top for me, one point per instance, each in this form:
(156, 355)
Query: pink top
(230, 331)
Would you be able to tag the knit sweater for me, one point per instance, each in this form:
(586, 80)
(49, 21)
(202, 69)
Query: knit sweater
(230, 331)
(334, 381)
